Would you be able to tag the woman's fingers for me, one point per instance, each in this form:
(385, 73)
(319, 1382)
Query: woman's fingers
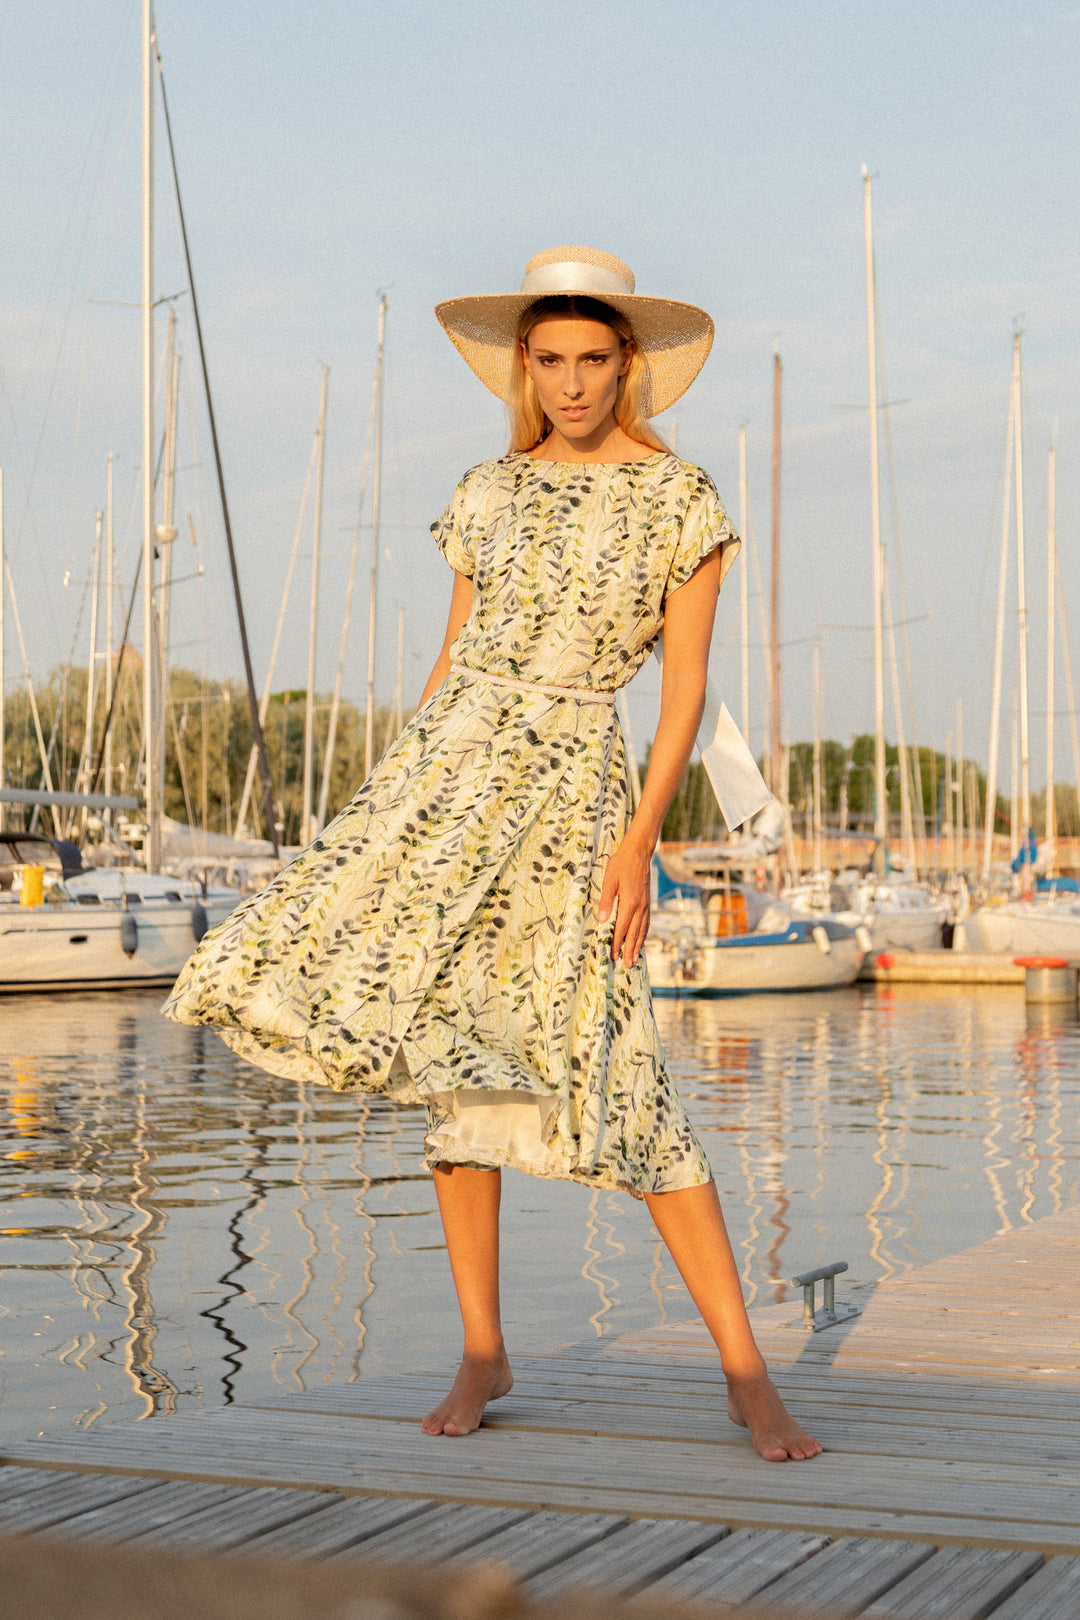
(608, 892)
(631, 926)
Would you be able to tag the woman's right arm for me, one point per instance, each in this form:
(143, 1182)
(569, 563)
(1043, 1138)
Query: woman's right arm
(460, 603)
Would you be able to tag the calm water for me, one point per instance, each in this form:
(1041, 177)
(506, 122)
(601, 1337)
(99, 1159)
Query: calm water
(179, 1229)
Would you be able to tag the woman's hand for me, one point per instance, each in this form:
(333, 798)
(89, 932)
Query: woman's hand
(626, 887)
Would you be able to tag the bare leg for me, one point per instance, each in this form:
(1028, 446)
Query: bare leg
(469, 1206)
(691, 1223)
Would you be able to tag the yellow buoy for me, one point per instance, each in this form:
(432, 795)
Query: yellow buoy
(33, 886)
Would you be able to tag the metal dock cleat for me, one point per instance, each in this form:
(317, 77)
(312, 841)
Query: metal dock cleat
(830, 1313)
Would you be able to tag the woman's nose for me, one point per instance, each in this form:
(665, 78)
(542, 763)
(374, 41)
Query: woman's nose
(575, 385)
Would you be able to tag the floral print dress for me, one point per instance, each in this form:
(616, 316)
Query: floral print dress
(439, 943)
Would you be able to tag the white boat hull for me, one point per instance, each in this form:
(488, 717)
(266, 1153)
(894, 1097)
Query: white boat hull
(747, 966)
(67, 946)
(1026, 928)
(907, 930)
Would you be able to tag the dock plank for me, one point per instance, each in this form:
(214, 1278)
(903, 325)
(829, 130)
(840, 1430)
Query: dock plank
(429, 1538)
(1052, 1593)
(541, 1540)
(168, 1504)
(847, 1576)
(958, 1583)
(627, 1560)
(15, 1482)
(232, 1523)
(346, 1522)
(64, 1499)
(597, 1408)
(737, 1568)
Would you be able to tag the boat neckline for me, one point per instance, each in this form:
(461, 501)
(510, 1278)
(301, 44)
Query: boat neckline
(638, 461)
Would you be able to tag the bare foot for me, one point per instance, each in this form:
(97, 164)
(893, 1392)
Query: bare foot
(755, 1404)
(480, 1379)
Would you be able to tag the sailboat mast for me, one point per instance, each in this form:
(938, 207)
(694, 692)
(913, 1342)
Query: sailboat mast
(376, 492)
(1021, 596)
(346, 620)
(107, 788)
(1051, 593)
(817, 828)
(949, 810)
(744, 588)
(87, 760)
(240, 827)
(778, 785)
(308, 828)
(961, 824)
(399, 685)
(999, 648)
(3, 689)
(152, 849)
(166, 534)
(880, 799)
(1015, 829)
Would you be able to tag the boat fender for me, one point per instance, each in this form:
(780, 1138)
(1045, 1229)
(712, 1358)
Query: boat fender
(129, 934)
(862, 934)
(821, 940)
(199, 921)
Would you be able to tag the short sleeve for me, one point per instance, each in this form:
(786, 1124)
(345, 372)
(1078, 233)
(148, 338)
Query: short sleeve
(706, 528)
(454, 535)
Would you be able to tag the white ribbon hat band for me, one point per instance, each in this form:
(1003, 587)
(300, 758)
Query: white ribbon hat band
(674, 337)
(569, 276)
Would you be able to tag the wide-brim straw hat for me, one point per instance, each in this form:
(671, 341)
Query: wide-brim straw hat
(674, 338)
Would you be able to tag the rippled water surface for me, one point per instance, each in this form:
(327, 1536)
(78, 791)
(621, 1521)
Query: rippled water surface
(179, 1229)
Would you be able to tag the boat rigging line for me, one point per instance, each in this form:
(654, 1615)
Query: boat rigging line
(253, 702)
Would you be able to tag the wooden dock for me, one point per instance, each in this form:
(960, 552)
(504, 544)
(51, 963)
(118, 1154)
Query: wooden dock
(940, 967)
(950, 1486)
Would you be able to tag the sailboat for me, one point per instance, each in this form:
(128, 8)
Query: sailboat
(899, 913)
(717, 937)
(1040, 921)
(63, 925)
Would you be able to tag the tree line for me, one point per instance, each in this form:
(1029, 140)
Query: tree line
(847, 793)
(208, 744)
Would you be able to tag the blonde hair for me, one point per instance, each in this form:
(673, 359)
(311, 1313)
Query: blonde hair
(528, 423)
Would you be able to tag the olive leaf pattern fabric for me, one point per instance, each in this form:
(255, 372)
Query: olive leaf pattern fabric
(441, 934)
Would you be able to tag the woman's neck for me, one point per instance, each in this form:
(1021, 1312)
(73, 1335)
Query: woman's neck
(608, 443)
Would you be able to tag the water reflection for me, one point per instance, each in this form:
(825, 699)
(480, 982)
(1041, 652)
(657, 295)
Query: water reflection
(886, 1128)
(180, 1229)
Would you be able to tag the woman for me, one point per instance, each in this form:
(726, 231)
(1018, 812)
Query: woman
(467, 933)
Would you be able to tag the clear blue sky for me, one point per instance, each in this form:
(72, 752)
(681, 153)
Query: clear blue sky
(331, 149)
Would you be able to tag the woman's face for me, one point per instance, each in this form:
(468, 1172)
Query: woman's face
(576, 365)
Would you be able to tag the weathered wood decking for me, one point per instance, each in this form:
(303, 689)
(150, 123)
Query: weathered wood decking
(950, 1486)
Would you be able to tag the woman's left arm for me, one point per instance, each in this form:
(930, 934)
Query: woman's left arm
(689, 612)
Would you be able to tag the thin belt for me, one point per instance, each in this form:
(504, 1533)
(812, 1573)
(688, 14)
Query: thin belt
(580, 694)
